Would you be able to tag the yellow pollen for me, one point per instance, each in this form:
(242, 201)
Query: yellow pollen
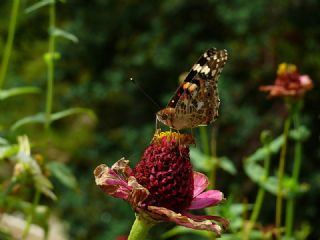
(285, 68)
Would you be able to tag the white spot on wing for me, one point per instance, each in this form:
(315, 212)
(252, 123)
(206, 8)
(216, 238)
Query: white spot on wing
(200, 105)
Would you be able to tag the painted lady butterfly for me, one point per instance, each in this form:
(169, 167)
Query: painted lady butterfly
(196, 101)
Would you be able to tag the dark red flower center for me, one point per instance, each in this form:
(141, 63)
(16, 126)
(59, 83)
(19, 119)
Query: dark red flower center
(165, 170)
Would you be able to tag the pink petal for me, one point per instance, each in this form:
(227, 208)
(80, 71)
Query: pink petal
(206, 199)
(305, 80)
(111, 183)
(200, 182)
(165, 214)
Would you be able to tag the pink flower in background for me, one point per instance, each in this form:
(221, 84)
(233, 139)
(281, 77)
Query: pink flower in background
(288, 82)
(163, 187)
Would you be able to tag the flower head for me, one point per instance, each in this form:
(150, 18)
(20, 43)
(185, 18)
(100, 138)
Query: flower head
(289, 82)
(163, 187)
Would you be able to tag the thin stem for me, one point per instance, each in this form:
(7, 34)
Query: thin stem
(206, 150)
(261, 192)
(204, 140)
(31, 214)
(6, 192)
(295, 178)
(281, 173)
(140, 229)
(9, 43)
(215, 164)
(50, 62)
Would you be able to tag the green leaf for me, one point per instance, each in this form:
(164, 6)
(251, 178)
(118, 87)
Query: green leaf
(178, 230)
(199, 160)
(40, 117)
(38, 5)
(256, 172)
(44, 185)
(17, 91)
(37, 118)
(300, 134)
(8, 151)
(72, 111)
(227, 165)
(48, 56)
(63, 174)
(57, 32)
(261, 153)
(3, 141)
(42, 213)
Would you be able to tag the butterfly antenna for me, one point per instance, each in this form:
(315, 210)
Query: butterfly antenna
(144, 93)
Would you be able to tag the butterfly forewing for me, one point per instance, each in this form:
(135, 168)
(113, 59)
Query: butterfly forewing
(196, 101)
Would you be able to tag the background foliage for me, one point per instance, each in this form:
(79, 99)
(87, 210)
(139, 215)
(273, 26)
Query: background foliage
(154, 42)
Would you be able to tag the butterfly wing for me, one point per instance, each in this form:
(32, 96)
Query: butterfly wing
(197, 98)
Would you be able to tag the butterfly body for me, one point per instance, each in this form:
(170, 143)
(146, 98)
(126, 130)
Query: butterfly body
(196, 101)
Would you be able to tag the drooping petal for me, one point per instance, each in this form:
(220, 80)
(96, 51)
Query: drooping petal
(110, 182)
(200, 182)
(206, 199)
(222, 220)
(138, 193)
(122, 168)
(182, 220)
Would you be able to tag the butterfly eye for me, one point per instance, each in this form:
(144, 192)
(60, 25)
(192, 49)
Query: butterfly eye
(164, 116)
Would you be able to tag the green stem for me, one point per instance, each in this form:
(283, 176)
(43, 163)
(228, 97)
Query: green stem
(214, 164)
(204, 140)
(295, 178)
(6, 192)
(261, 192)
(281, 173)
(31, 214)
(211, 165)
(50, 62)
(140, 228)
(9, 43)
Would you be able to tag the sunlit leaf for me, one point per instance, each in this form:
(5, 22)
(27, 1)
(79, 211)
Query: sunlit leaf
(44, 185)
(62, 33)
(32, 167)
(63, 174)
(17, 91)
(3, 141)
(48, 56)
(38, 5)
(8, 151)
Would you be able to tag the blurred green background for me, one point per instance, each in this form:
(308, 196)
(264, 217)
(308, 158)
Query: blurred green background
(154, 42)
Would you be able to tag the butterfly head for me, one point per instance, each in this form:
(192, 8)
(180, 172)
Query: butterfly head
(166, 116)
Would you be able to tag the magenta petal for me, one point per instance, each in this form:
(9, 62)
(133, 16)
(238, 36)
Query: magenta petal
(206, 199)
(200, 182)
(111, 183)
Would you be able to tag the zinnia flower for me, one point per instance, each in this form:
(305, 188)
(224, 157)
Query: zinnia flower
(163, 187)
(289, 82)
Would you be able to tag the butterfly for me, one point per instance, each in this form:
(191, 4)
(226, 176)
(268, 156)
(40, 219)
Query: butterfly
(196, 101)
